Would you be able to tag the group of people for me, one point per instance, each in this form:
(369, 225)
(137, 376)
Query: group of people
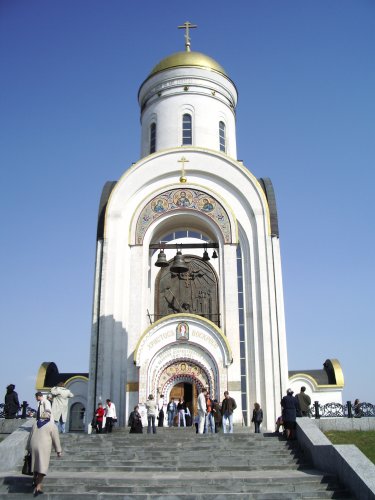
(51, 417)
(154, 410)
(178, 413)
(293, 407)
(50, 421)
(108, 413)
(211, 414)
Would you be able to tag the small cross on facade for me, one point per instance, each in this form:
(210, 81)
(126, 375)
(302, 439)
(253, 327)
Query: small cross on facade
(188, 278)
(186, 26)
(183, 161)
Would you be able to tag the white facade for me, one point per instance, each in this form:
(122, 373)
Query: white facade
(215, 200)
(166, 96)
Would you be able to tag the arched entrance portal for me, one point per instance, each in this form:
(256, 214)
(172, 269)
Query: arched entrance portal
(187, 392)
(166, 357)
(184, 379)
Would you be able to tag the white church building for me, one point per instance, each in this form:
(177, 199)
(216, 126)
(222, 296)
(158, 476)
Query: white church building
(188, 282)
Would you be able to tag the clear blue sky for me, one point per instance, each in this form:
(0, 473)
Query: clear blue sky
(69, 121)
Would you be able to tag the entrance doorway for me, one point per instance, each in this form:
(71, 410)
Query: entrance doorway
(188, 392)
(76, 418)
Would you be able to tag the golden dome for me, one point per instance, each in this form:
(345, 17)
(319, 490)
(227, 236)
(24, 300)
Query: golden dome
(188, 58)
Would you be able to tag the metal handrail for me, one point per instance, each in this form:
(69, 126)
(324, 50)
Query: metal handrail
(338, 410)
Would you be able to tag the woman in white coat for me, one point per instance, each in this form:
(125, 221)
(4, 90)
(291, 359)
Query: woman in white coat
(43, 435)
(60, 403)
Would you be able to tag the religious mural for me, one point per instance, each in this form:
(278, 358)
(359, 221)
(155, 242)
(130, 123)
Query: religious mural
(190, 199)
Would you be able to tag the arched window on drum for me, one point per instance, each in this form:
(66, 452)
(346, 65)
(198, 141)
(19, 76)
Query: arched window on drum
(152, 137)
(187, 130)
(222, 139)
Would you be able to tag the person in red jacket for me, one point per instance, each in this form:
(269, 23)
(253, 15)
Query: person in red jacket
(99, 414)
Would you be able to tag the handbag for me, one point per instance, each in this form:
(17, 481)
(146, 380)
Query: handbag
(26, 468)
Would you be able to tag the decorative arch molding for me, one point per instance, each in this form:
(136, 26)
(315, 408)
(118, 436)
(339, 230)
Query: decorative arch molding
(177, 379)
(76, 378)
(188, 199)
(202, 344)
(179, 353)
(193, 367)
(164, 332)
(182, 371)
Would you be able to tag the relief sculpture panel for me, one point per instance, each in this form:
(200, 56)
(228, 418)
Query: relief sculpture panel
(195, 291)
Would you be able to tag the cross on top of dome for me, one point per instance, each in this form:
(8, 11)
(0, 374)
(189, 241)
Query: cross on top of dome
(187, 26)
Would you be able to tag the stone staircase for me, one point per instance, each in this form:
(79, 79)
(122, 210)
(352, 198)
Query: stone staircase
(177, 463)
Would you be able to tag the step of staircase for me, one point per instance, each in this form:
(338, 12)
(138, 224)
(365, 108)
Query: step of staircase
(178, 464)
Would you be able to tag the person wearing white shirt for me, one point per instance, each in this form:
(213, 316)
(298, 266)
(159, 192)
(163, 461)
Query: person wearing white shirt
(110, 415)
(202, 410)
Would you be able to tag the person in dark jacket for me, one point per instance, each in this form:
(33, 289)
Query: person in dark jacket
(171, 411)
(290, 408)
(181, 409)
(304, 401)
(11, 403)
(216, 410)
(227, 407)
(257, 417)
(135, 421)
(357, 409)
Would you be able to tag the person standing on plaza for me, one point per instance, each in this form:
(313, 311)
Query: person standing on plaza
(357, 409)
(202, 410)
(210, 422)
(257, 417)
(11, 403)
(99, 415)
(44, 406)
(171, 411)
(181, 408)
(110, 415)
(304, 402)
(217, 414)
(152, 411)
(227, 407)
(43, 435)
(60, 403)
(135, 421)
(161, 411)
(290, 408)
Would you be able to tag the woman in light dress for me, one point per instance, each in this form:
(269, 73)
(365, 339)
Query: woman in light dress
(43, 435)
(152, 411)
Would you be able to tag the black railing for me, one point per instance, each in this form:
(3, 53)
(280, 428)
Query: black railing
(347, 410)
(24, 412)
